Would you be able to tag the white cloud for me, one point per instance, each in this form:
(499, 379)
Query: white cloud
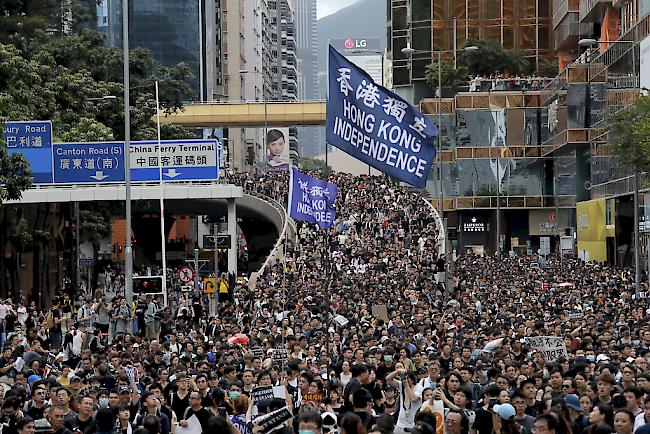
(328, 7)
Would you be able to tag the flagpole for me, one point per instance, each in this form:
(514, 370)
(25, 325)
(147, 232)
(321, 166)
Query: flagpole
(284, 257)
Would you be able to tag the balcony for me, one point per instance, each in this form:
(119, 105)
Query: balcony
(592, 11)
(569, 31)
(561, 8)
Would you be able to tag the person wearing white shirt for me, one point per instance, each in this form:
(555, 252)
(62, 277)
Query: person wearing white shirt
(410, 402)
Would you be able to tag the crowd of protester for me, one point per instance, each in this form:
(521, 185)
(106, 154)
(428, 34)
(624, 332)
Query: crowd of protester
(353, 331)
(507, 82)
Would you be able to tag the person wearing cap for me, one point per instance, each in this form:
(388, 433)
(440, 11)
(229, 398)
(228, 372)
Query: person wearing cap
(503, 420)
(391, 400)
(575, 418)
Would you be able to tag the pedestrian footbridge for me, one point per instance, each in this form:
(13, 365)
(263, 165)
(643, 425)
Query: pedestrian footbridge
(247, 114)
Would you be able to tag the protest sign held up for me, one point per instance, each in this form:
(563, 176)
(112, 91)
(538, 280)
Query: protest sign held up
(376, 125)
(312, 199)
(551, 347)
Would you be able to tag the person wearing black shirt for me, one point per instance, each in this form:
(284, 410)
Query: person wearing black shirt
(359, 378)
(83, 423)
(196, 409)
(56, 418)
(180, 399)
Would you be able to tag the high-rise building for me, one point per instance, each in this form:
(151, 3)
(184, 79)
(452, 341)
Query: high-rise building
(174, 31)
(259, 64)
(307, 62)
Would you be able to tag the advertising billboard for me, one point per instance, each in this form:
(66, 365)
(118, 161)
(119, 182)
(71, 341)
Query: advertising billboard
(277, 149)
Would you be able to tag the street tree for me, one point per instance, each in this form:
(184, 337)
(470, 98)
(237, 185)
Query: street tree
(629, 135)
(451, 77)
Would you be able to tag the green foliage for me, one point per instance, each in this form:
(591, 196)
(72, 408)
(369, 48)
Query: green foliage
(314, 165)
(517, 63)
(63, 78)
(95, 220)
(15, 176)
(492, 58)
(548, 68)
(629, 135)
(451, 77)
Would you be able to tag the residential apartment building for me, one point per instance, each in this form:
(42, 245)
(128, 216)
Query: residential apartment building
(307, 69)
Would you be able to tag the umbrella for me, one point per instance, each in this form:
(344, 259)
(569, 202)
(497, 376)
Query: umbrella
(238, 338)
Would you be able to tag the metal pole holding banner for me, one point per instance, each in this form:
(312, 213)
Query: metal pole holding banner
(163, 241)
(637, 242)
(498, 205)
(442, 187)
(215, 301)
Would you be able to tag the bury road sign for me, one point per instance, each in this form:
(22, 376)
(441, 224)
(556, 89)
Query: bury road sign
(33, 139)
(88, 163)
(182, 160)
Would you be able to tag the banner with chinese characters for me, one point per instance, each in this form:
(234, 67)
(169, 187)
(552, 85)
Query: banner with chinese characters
(312, 199)
(551, 347)
(376, 125)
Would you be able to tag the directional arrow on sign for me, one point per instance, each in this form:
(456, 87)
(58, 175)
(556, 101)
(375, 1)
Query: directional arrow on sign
(99, 176)
(172, 173)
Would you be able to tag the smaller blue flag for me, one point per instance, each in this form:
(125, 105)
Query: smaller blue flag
(312, 199)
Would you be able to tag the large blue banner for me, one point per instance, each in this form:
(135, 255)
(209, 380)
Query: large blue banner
(312, 199)
(377, 126)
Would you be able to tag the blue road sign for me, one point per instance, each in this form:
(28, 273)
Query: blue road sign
(103, 162)
(33, 139)
(88, 163)
(182, 160)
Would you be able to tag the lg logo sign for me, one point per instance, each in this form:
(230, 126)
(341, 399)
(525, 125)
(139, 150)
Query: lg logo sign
(355, 43)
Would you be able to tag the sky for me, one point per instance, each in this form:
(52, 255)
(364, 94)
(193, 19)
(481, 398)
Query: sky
(327, 7)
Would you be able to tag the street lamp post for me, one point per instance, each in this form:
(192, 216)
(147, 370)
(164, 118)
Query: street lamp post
(128, 255)
(441, 201)
(380, 53)
(590, 42)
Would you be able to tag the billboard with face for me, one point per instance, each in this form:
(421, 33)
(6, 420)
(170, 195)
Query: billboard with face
(277, 149)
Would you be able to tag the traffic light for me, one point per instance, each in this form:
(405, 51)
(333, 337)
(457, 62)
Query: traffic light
(250, 155)
(147, 285)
